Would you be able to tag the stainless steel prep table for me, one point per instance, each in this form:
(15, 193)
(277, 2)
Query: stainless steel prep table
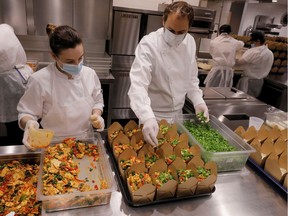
(239, 194)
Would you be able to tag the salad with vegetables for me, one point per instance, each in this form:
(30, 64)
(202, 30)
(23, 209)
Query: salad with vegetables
(186, 154)
(203, 173)
(184, 175)
(150, 160)
(170, 159)
(120, 147)
(137, 180)
(125, 164)
(162, 178)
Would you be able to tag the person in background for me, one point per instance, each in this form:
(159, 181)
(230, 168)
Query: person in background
(164, 71)
(65, 95)
(257, 62)
(14, 74)
(223, 51)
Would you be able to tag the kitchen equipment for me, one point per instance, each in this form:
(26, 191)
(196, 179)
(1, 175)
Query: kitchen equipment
(129, 26)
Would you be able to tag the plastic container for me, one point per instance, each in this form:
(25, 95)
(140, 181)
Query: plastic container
(226, 161)
(277, 118)
(78, 199)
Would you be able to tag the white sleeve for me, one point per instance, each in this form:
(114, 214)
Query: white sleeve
(194, 93)
(140, 77)
(31, 103)
(97, 94)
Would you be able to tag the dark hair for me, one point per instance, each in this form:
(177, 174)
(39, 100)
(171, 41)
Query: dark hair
(182, 8)
(62, 37)
(225, 29)
(257, 35)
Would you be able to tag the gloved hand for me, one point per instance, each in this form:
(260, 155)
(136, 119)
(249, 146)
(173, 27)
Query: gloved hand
(150, 131)
(31, 124)
(202, 108)
(97, 122)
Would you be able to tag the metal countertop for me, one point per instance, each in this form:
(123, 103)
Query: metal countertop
(238, 193)
(235, 195)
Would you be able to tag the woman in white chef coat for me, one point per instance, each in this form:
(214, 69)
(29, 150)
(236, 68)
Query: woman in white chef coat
(165, 71)
(223, 51)
(13, 77)
(257, 63)
(65, 95)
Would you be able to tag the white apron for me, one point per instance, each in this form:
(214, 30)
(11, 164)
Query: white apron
(250, 85)
(69, 120)
(219, 76)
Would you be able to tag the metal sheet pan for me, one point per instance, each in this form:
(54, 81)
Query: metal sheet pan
(266, 176)
(124, 189)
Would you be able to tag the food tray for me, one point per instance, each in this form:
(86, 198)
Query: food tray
(226, 161)
(273, 182)
(77, 199)
(125, 192)
(20, 153)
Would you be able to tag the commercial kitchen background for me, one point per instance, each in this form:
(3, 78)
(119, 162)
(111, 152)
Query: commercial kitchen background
(110, 41)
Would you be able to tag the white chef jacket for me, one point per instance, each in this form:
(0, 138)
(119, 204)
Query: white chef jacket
(259, 62)
(12, 81)
(161, 76)
(223, 51)
(40, 94)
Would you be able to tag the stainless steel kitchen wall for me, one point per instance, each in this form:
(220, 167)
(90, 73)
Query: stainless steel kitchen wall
(52, 11)
(13, 12)
(89, 17)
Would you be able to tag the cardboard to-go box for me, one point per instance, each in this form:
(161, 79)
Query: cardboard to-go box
(240, 131)
(168, 189)
(250, 134)
(146, 192)
(137, 141)
(119, 144)
(207, 185)
(131, 128)
(285, 182)
(262, 151)
(188, 187)
(113, 131)
(277, 166)
(128, 154)
(280, 146)
(194, 150)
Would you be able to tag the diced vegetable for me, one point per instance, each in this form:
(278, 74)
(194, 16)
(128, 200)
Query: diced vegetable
(208, 137)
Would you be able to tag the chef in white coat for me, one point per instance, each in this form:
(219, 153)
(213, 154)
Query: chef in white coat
(65, 95)
(223, 51)
(14, 74)
(165, 71)
(257, 62)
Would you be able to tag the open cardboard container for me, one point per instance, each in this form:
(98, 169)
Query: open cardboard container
(271, 151)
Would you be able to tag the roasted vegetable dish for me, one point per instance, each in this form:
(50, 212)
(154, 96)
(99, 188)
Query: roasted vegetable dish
(137, 180)
(18, 185)
(60, 170)
(184, 175)
(162, 178)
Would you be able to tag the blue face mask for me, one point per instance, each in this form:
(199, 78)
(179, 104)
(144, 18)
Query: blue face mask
(71, 68)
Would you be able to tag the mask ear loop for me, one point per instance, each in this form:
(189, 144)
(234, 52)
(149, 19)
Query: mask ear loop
(24, 81)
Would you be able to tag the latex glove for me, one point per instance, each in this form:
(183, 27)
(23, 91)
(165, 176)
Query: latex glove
(150, 131)
(98, 122)
(202, 108)
(29, 124)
